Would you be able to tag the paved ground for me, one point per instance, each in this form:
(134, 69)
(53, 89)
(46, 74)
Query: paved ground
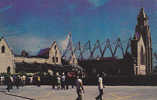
(110, 93)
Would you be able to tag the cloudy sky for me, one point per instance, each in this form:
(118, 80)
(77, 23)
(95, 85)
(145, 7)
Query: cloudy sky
(34, 24)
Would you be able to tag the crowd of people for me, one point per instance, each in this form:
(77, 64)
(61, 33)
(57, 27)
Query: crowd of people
(16, 81)
(58, 81)
(62, 81)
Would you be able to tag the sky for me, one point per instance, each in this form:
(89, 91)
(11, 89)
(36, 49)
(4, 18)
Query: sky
(35, 24)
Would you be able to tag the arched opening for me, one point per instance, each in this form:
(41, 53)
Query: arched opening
(56, 59)
(142, 56)
(56, 52)
(3, 49)
(53, 59)
(55, 47)
(8, 70)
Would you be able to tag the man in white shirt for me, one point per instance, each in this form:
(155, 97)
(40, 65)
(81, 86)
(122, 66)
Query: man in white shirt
(23, 79)
(100, 88)
(79, 88)
(63, 81)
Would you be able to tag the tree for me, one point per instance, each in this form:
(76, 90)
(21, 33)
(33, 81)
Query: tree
(24, 53)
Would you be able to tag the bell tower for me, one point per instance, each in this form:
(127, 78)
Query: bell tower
(142, 31)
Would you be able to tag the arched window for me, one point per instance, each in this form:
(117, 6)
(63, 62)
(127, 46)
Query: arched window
(8, 69)
(3, 49)
(56, 59)
(55, 47)
(56, 52)
(53, 59)
(142, 56)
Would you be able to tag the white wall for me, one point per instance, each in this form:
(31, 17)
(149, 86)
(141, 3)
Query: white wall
(6, 58)
(42, 60)
(54, 52)
(30, 60)
(141, 67)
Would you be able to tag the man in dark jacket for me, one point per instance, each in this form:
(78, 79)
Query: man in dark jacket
(8, 83)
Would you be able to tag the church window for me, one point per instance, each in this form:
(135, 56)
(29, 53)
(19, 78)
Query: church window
(53, 59)
(55, 47)
(8, 69)
(56, 59)
(56, 52)
(3, 49)
(142, 56)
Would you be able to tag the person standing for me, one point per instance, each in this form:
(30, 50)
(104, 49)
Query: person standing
(58, 80)
(63, 81)
(17, 81)
(8, 82)
(53, 81)
(12, 81)
(100, 88)
(67, 81)
(23, 78)
(104, 77)
(79, 88)
(31, 80)
(38, 81)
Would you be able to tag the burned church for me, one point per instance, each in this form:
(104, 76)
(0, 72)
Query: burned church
(136, 62)
(17, 63)
(47, 59)
(142, 46)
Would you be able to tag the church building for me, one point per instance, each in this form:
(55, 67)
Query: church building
(6, 58)
(141, 45)
(9, 61)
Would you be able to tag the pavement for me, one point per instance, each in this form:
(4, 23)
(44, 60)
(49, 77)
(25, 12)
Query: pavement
(110, 93)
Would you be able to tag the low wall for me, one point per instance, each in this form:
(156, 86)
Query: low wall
(125, 80)
(30, 60)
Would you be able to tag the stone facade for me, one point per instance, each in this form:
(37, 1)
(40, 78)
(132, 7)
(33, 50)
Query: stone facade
(140, 66)
(54, 54)
(8, 59)
(73, 59)
(30, 60)
(142, 46)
